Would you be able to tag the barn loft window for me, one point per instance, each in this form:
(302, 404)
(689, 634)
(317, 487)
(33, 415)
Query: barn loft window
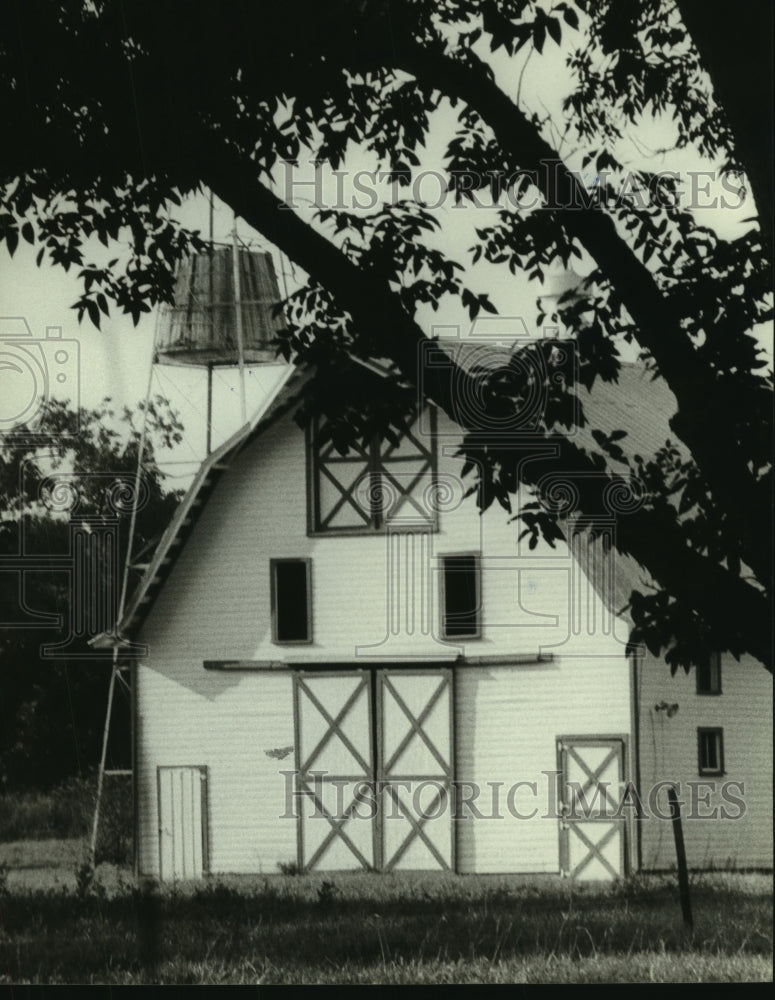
(710, 744)
(709, 675)
(460, 597)
(291, 600)
(374, 487)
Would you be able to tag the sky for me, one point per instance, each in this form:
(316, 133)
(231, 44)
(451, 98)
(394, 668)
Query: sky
(116, 361)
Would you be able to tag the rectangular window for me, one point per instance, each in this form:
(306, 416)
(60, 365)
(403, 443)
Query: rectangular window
(709, 675)
(710, 743)
(460, 597)
(291, 600)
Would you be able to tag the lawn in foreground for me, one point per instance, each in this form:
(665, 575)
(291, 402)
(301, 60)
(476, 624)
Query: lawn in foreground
(389, 929)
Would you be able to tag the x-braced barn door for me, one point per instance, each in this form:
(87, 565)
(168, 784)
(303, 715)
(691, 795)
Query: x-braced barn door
(415, 769)
(374, 769)
(335, 765)
(592, 830)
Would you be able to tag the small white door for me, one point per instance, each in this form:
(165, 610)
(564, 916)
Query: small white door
(182, 822)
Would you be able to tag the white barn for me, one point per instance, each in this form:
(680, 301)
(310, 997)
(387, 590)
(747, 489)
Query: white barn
(348, 668)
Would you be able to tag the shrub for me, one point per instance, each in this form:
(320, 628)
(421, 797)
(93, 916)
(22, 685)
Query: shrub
(115, 834)
(64, 812)
(67, 811)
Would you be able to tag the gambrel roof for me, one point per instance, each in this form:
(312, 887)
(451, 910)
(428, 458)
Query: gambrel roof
(171, 543)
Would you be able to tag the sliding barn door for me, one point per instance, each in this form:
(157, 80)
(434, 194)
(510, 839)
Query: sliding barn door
(335, 763)
(374, 769)
(415, 769)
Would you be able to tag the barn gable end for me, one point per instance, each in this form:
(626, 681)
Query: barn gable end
(219, 692)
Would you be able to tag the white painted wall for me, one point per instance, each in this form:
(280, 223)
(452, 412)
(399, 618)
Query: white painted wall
(508, 721)
(668, 751)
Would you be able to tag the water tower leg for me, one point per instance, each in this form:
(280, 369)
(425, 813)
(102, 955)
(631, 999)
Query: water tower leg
(238, 322)
(103, 758)
(209, 406)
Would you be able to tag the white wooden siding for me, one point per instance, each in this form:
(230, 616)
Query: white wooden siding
(215, 605)
(668, 751)
(508, 720)
(240, 727)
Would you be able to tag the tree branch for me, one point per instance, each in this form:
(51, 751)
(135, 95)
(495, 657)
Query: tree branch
(715, 592)
(726, 43)
(703, 421)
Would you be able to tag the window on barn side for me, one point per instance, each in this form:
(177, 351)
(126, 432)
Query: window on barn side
(460, 597)
(709, 675)
(291, 595)
(376, 486)
(710, 747)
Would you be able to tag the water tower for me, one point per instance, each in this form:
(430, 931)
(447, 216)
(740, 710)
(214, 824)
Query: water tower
(224, 314)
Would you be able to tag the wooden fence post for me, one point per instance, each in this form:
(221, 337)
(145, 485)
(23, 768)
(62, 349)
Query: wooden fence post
(680, 854)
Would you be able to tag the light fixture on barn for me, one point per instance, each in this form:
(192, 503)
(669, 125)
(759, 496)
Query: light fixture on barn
(224, 312)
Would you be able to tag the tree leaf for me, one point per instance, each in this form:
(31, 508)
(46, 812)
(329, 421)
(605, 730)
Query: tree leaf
(555, 29)
(94, 313)
(571, 18)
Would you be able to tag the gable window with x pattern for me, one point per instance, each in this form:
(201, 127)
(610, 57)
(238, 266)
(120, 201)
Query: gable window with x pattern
(375, 485)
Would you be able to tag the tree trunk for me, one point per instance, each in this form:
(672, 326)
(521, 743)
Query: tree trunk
(735, 46)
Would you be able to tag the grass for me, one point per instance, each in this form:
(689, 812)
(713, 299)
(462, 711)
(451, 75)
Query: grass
(67, 812)
(388, 929)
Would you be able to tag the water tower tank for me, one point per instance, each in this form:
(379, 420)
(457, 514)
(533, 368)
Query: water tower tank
(200, 327)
